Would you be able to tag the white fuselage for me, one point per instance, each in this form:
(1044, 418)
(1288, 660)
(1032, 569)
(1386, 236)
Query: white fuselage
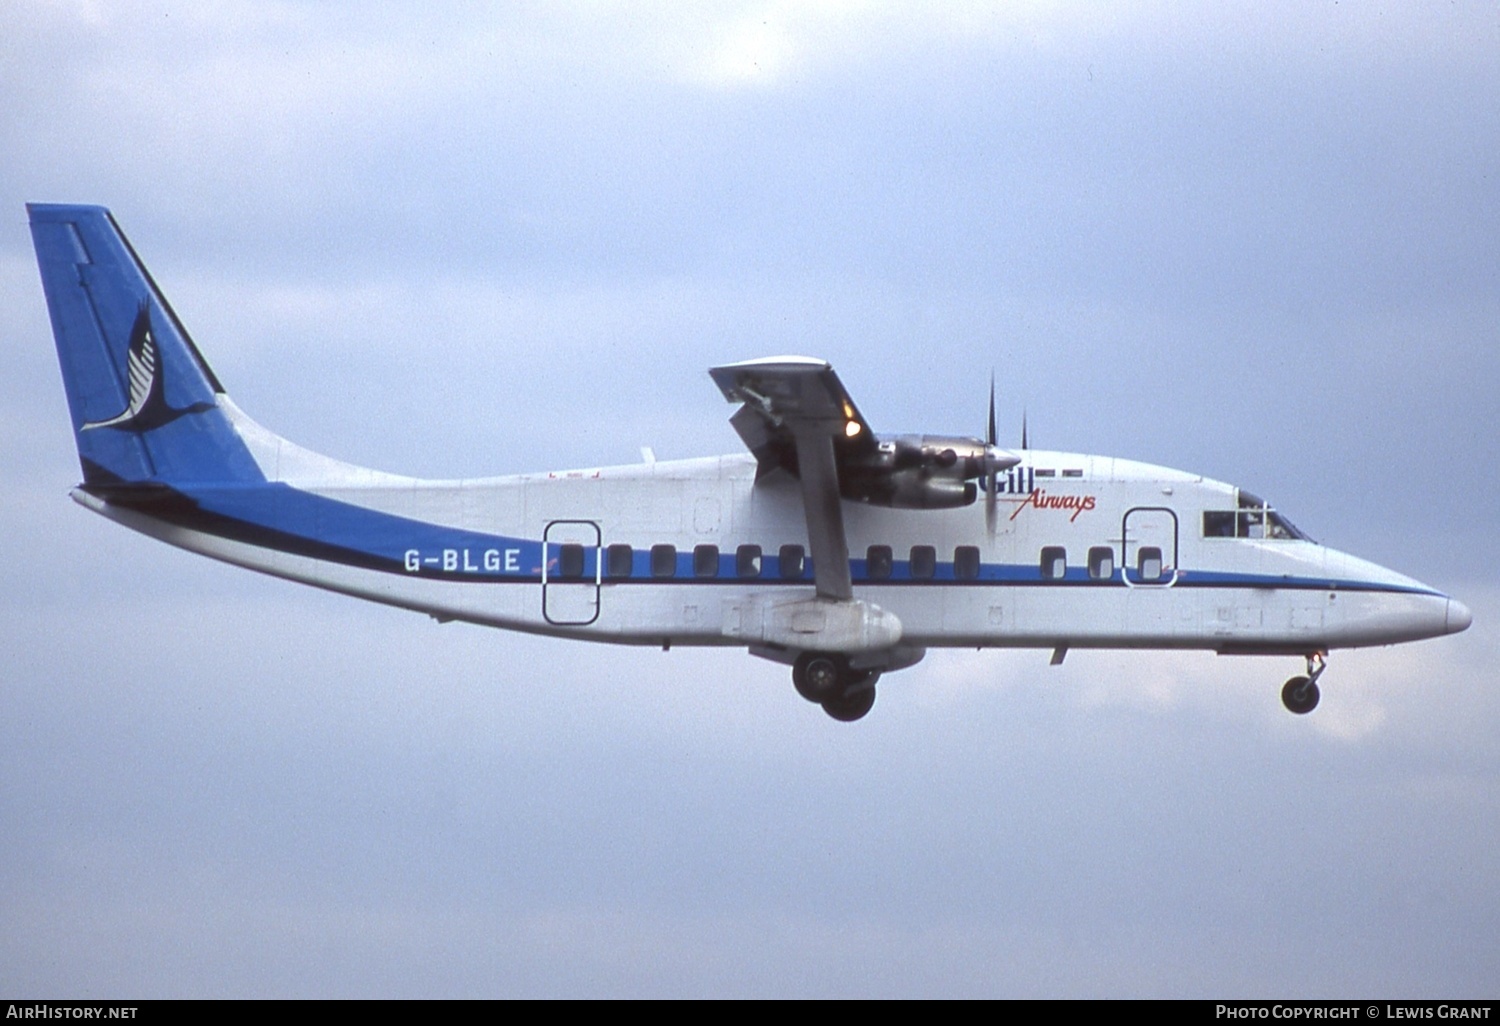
(1164, 585)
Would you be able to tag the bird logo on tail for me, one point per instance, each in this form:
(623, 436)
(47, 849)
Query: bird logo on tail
(147, 406)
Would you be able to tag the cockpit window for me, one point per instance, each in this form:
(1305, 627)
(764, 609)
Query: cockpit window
(1218, 523)
(1278, 526)
(1253, 519)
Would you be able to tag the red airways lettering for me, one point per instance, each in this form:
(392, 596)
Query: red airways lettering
(1041, 500)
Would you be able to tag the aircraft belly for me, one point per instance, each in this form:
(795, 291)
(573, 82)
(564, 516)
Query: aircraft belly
(1159, 613)
(1116, 617)
(1269, 614)
(1001, 616)
(655, 614)
(1079, 614)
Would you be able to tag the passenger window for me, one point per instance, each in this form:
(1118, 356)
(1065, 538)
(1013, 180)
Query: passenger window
(878, 561)
(570, 561)
(1101, 563)
(706, 561)
(792, 561)
(747, 561)
(663, 560)
(619, 560)
(1218, 524)
(923, 562)
(1149, 562)
(1054, 563)
(966, 562)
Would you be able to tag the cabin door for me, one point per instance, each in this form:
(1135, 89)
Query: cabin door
(571, 571)
(1148, 556)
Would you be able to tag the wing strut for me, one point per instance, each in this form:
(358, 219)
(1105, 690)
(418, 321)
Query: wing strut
(798, 418)
(795, 408)
(825, 520)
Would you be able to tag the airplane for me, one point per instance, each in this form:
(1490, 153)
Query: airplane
(840, 552)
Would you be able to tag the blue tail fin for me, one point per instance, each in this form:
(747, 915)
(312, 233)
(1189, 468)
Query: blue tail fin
(145, 404)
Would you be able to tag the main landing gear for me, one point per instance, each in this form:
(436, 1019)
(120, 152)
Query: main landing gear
(1300, 694)
(827, 679)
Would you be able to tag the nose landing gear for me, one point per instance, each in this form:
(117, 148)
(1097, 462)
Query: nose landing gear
(1300, 694)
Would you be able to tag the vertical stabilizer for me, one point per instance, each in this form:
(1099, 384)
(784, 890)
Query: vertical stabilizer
(145, 404)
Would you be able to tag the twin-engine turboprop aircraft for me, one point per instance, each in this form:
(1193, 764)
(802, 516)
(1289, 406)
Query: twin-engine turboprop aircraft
(840, 552)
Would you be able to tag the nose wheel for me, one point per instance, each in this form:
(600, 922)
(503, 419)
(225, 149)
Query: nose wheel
(1300, 694)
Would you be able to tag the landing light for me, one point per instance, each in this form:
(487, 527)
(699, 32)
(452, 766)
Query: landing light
(851, 429)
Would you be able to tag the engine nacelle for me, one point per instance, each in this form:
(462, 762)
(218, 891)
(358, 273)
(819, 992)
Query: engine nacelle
(914, 488)
(960, 456)
(922, 471)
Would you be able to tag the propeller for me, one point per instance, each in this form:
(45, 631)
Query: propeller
(996, 460)
(991, 479)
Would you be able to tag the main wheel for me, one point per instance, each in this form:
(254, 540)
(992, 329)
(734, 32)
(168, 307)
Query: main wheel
(819, 676)
(1300, 695)
(851, 705)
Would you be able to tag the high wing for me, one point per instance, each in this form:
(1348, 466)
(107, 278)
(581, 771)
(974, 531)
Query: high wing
(798, 417)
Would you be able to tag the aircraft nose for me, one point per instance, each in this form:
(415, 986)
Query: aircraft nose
(1459, 616)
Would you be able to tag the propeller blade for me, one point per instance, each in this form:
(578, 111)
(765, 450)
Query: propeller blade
(991, 479)
(1024, 443)
(990, 435)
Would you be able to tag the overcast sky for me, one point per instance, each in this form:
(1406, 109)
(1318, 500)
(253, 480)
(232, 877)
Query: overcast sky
(1257, 241)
